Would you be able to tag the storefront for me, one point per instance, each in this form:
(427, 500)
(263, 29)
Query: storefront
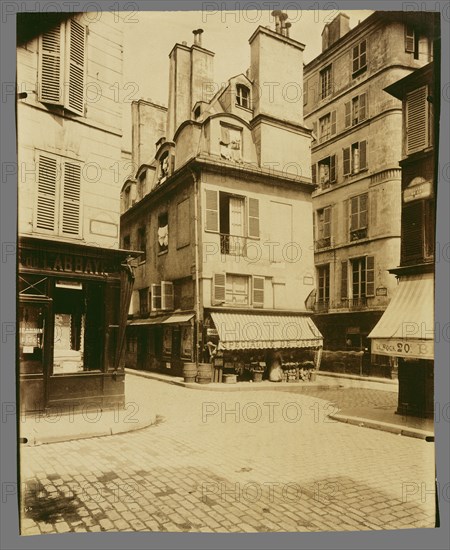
(406, 331)
(243, 344)
(73, 301)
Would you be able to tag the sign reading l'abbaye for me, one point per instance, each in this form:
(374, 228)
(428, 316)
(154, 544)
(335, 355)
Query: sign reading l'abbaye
(42, 260)
(415, 349)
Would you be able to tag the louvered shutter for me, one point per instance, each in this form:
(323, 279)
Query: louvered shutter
(346, 158)
(363, 210)
(416, 120)
(326, 222)
(50, 66)
(212, 210)
(253, 218)
(363, 155)
(258, 291)
(412, 231)
(333, 168)
(219, 288)
(47, 189)
(344, 280)
(333, 123)
(305, 93)
(156, 297)
(314, 226)
(348, 114)
(75, 77)
(314, 173)
(354, 213)
(362, 115)
(71, 199)
(409, 39)
(370, 276)
(166, 295)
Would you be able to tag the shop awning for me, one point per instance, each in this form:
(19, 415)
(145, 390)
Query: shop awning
(240, 331)
(149, 321)
(178, 318)
(406, 328)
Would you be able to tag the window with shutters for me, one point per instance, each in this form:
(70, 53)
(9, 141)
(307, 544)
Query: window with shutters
(355, 158)
(355, 110)
(166, 295)
(323, 231)
(363, 280)
(58, 196)
(327, 171)
(359, 58)
(238, 290)
(327, 126)
(62, 66)
(326, 84)
(412, 41)
(323, 288)
(417, 120)
(359, 217)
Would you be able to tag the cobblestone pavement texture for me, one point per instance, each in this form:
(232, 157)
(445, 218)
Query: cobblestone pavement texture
(231, 462)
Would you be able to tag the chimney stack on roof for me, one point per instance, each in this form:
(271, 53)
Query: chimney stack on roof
(281, 26)
(197, 37)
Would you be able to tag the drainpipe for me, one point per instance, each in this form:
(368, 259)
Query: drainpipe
(197, 277)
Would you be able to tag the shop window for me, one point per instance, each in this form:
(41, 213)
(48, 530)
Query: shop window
(327, 126)
(163, 233)
(327, 171)
(417, 120)
(355, 158)
(143, 301)
(186, 342)
(356, 110)
(230, 142)
(31, 318)
(359, 55)
(326, 82)
(62, 66)
(142, 243)
(323, 227)
(58, 197)
(323, 289)
(358, 217)
(167, 341)
(242, 96)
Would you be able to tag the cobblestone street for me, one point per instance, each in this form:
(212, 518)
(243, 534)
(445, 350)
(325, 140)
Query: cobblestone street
(231, 462)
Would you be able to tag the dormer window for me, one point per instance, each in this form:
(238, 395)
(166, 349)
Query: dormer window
(164, 165)
(242, 96)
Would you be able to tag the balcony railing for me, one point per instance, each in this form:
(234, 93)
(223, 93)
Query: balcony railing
(357, 234)
(323, 243)
(321, 306)
(354, 303)
(232, 245)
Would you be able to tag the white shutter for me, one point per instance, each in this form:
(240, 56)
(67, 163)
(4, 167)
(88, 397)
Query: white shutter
(47, 189)
(258, 291)
(333, 123)
(409, 39)
(75, 77)
(166, 295)
(156, 297)
(253, 218)
(212, 210)
(71, 200)
(50, 66)
(416, 120)
(219, 288)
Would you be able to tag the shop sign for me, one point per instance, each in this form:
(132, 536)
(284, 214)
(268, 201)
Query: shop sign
(212, 332)
(64, 263)
(417, 189)
(417, 349)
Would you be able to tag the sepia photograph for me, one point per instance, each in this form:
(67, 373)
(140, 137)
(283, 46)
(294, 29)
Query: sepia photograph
(225, 279)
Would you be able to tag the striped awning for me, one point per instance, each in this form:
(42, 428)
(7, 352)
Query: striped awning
(241, 331)
(178, 319)
(406, 328)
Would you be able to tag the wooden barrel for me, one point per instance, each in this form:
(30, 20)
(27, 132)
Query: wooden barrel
(204, 373)
(189, 372)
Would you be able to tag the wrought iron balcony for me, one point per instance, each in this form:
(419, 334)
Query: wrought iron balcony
(232, 245)
(353, 303)
(323, 243)
(321, 306)
(357, 234)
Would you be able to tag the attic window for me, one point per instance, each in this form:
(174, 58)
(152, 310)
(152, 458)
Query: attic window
(242, 96)
(230, 142)
(164, 165)
(197, 112)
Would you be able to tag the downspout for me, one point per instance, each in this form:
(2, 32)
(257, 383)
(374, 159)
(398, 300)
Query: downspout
(197, 277)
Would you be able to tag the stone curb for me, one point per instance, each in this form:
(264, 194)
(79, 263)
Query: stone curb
(384, 426)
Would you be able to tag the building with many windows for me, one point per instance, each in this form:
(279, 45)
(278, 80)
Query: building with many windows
(73, 281)
(355, 152)
(223, 216)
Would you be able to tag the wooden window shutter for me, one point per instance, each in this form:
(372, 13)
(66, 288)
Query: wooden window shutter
(346, 163)
(156, 297)
(348, 114)
(409, 39)
(75, 77)
(344, 280)
(219, 288)
(50, 66)
(212, 210)
(258, 291)
(314, 226)
(333, 123)
(362, 115)
(412, 241)
(314, 173)
(370, 276)
(363, 210)
(416, 120)
(47, 189)
(333, 168)
(71, 199)
(354, 213)
(362, 155)
(327, 222)
(166, 295)
(305, 93)
(253, 218)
